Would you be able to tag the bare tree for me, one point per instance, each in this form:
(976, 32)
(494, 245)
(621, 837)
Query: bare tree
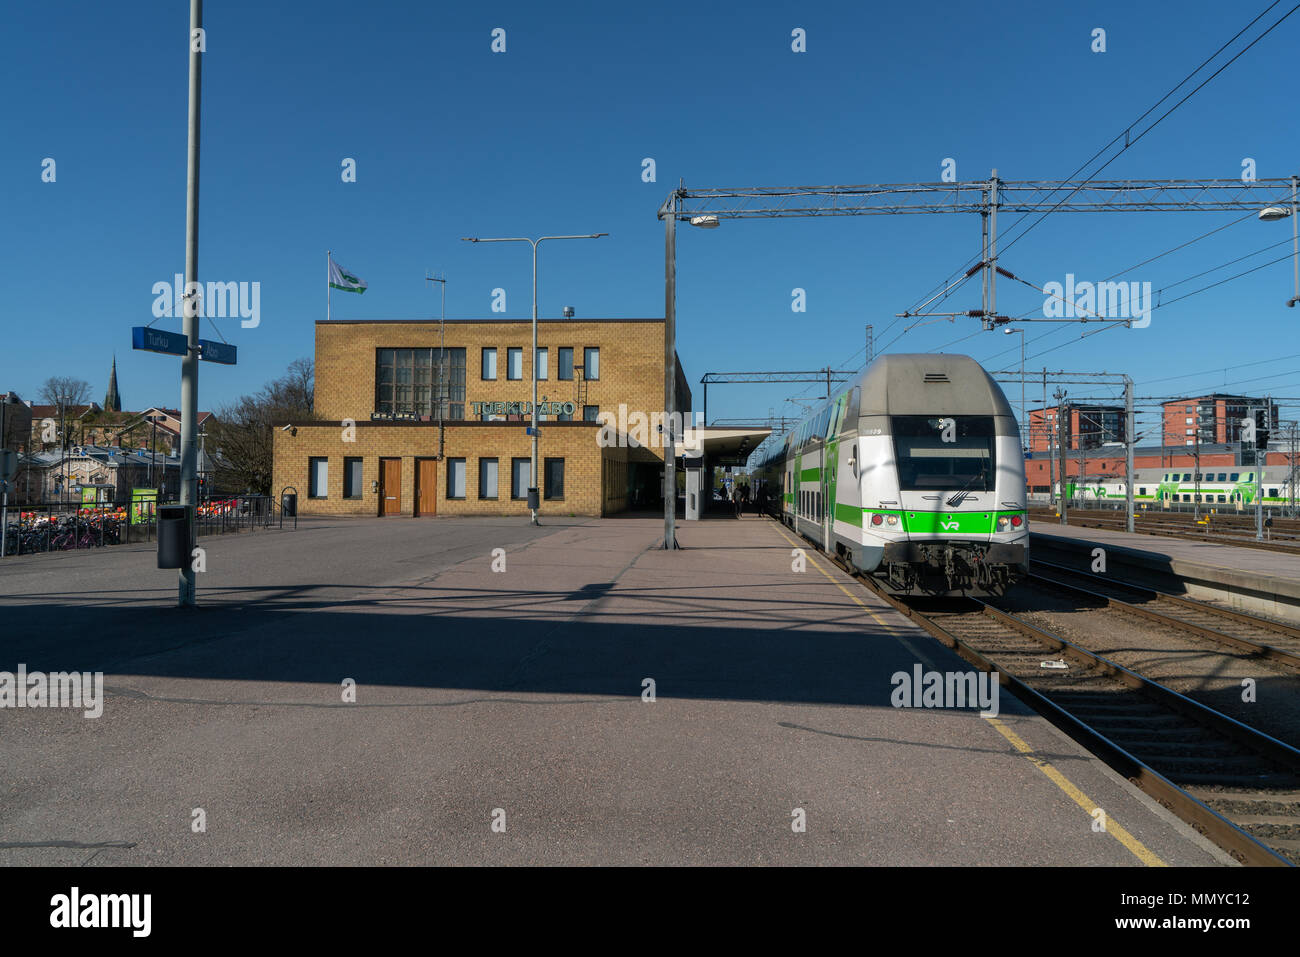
(242, 431)
(66, 394)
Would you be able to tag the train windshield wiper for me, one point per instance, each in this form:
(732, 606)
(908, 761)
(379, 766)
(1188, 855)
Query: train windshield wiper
(960, 496)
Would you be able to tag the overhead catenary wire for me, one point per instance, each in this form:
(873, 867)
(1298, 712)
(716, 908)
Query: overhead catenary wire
(1129, 142)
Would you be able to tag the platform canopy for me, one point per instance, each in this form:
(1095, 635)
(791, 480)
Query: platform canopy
(722, 445)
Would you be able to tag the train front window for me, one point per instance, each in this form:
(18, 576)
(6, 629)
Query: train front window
(944, 452)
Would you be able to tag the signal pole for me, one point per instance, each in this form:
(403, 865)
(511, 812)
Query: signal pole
(193, 298)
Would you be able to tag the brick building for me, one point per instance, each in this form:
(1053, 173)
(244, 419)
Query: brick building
(393, 436)
(1208, 419)
(1087, 427)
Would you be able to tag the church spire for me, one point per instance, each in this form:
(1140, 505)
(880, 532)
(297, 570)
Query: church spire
(112, 401)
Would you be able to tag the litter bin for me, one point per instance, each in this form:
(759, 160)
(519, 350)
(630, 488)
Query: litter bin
(173, 536)
(289, 504)
(532, 498)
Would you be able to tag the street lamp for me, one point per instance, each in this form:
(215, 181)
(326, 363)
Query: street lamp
(670, 212)
(1271, 214)
(1008, 330)
(533, 494)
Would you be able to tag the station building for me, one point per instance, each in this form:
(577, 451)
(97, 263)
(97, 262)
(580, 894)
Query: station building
(427, 417)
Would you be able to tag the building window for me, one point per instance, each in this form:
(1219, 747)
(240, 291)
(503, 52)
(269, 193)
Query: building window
(542, 371)
(591, 363)
(566, 363)
(514, 363)
(487, 478)
(489, 369)
(519, 469)
(1189, 420)
(553, 470)
(420, 382)
(352, 478)
(455, 478)
(564, 417)
(589, 413)
(318, 477)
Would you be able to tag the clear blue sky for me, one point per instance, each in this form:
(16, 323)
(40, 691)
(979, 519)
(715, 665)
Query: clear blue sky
(452, 140)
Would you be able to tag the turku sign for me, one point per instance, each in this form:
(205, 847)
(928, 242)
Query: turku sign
(522, 408)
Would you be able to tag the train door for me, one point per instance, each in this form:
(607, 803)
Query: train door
(826, 494)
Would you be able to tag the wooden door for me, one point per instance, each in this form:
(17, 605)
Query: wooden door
(426, 487)
(390, 486)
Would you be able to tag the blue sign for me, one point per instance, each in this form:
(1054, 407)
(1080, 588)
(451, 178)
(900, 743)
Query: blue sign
(159, 340)
(1029, 454)
(529, 430)
(222, 352)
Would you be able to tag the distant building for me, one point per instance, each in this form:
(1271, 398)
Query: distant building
(1086, 427)
(1207, 419)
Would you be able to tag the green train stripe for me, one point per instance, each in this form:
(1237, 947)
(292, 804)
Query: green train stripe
(810, 475)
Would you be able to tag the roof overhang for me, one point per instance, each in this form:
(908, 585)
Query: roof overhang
(722, 445)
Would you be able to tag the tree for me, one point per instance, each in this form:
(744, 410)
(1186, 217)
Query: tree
(242, 433)
(66, 394)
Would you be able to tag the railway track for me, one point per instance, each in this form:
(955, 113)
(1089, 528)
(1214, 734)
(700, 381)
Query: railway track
(1176, 530)
(1238, 786)
(1272, 641)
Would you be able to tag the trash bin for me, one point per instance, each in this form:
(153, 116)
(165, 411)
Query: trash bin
(289, 504)
(532, 498)
(173, 536)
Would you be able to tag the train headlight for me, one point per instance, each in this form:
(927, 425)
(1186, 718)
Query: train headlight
(1003, 523)
(892, 519)
(876, 518)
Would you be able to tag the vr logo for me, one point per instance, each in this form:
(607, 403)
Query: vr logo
(948, 526)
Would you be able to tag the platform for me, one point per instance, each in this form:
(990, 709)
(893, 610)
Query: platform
(524, 690)
(1254, 580)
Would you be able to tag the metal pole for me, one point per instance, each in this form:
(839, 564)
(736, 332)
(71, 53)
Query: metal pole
(993, 248)
(1051, 446)
(532, 475)
(1129, 441)
(1295, 239)
(190, 363)
(1260, 459)
(670, 372)
(1060, 444)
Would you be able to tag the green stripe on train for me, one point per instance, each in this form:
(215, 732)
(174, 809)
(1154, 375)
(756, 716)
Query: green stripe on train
(810, 475)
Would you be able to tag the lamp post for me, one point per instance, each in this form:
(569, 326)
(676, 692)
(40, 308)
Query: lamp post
(533, 494)
(669, 213)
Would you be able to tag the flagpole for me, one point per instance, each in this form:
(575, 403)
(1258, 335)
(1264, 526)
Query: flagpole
(327, 285)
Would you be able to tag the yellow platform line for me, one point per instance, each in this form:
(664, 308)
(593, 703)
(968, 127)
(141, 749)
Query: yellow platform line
(1113, 827)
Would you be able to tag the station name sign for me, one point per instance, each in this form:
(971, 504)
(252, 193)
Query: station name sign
(522, 408)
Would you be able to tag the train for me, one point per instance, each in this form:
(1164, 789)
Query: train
(913, 474)
(1227, 488)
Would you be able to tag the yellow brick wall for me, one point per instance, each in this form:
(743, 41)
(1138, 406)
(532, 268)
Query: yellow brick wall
(631, 362)
(595, 478)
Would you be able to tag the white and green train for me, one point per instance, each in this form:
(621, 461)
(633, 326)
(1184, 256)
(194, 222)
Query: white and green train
(1221, 487)
(913, 474)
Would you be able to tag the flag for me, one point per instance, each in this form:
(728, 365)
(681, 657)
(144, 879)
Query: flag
(340, 278)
